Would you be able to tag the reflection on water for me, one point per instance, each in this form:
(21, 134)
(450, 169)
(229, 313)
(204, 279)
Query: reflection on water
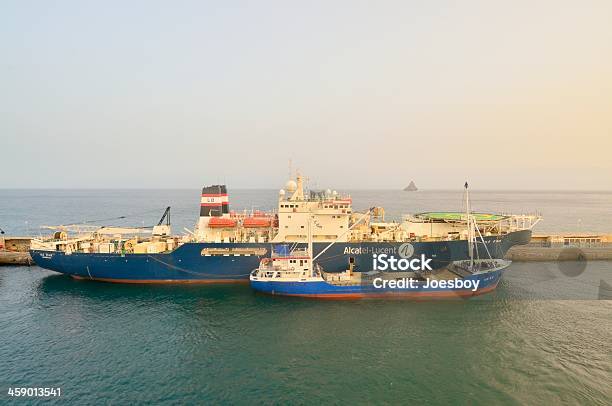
(550, 280)
(540, 338)
(92, 290)
(223, 343)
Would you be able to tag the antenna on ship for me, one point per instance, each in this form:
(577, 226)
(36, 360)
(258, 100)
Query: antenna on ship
(470, 235)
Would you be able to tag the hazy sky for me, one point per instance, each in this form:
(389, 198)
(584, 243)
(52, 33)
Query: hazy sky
(507, 94)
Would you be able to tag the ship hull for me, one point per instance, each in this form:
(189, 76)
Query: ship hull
(190, 264)
(323, 290)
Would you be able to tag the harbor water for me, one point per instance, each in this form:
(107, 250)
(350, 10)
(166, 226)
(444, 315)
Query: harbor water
(542, 337)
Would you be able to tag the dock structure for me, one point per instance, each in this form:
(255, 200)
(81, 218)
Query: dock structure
(578, 240)
(564, 247)
(15, 258)
(15, 251)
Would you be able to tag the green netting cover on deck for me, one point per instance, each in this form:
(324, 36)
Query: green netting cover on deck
(458, 216)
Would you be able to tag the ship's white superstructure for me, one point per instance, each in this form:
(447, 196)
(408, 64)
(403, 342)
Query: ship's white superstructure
(333, 217)
(330, 213)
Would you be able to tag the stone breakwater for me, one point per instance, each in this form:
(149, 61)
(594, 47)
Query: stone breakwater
(535, 254)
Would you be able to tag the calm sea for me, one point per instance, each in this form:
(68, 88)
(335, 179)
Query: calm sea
(24, 211)
(542, 337)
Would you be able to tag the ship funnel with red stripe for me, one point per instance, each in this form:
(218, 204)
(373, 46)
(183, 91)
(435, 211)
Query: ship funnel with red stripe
(214, 202)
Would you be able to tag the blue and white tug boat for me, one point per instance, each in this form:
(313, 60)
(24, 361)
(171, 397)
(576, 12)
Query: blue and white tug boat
(295, 273)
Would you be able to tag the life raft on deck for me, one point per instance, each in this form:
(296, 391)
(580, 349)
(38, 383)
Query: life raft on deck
(256, 222)
(221, 222)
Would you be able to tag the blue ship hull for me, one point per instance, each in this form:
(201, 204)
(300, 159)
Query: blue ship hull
(188, 264)
(323, 290)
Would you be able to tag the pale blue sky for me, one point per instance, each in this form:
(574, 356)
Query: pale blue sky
(510, 95)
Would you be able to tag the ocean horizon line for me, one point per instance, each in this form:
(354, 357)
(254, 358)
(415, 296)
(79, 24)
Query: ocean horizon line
(338, 189)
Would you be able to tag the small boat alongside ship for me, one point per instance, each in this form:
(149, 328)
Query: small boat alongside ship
(297, 274)
(226, 246)
(459, 279)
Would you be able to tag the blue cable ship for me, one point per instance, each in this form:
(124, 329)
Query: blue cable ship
(226, 246)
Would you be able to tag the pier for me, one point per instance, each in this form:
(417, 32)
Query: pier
(527, 253)
(14, 251)
(563, 247)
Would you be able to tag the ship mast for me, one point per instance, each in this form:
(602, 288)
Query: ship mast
(469, 226)
(310, 261)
